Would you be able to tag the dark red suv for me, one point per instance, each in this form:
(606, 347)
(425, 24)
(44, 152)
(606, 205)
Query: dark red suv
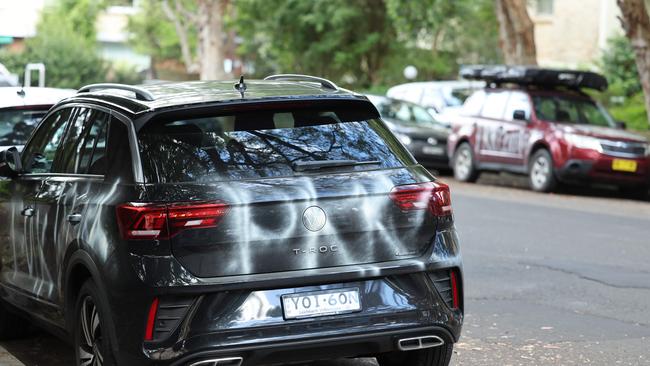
(539, 122)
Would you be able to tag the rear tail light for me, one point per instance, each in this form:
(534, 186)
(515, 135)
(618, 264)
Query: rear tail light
(147, 221)
(434, 196)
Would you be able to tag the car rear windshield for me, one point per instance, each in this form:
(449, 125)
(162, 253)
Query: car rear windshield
(264, 144)
(17, 124)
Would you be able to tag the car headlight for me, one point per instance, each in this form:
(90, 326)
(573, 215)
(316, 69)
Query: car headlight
(647, 149)
(584, 142)
(403, 139)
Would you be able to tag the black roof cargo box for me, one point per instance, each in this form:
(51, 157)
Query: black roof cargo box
(531, 75)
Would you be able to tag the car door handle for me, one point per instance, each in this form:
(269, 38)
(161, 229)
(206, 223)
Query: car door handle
(74, 219)
(28, 212)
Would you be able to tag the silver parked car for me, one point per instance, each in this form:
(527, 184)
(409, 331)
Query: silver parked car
(22, 108)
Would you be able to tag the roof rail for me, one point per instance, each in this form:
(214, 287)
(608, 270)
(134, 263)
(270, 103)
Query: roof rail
(298, 77)
(140, 94)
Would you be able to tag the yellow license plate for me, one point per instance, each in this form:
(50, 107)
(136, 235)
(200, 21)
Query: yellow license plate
(624, 165)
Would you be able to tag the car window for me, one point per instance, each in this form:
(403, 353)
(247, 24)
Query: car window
(117, 164)
(594, 115)
(474, 104)
(402, 112)
(495, 104)
(38, 156)
(421, 116)
(253, 145)
(17, 124)
(85, 143)
(570, 110)
(518, 101)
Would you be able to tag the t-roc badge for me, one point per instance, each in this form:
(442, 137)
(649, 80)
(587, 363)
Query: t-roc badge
(314, 218)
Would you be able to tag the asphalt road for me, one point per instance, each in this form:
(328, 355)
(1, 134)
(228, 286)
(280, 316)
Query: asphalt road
(557, 279)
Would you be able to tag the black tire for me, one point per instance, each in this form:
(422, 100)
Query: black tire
(438, 356)
(12, 325)
(91, 340)
(464, 164)
(541, 173)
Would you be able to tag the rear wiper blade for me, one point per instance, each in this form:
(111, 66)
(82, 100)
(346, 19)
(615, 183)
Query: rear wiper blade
(301, 166)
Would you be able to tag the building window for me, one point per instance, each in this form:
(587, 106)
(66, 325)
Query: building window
(544, 7)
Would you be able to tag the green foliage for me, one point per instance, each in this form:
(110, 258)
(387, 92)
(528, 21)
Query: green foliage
(624, 97)
(344, 40)
(152, 33)
(70, 61)
(14, 62)
(619, 65)
(77, 15)
(366, 42)
(632, 111)
(124, 74)
(467, 29)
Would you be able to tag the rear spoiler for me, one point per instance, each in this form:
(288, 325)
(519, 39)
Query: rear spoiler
(354, 108)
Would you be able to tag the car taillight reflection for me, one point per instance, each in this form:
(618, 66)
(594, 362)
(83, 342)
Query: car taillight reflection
(434, 196)
(150, 221)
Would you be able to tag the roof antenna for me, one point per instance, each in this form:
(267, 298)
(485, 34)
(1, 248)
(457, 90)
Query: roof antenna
(241, 86)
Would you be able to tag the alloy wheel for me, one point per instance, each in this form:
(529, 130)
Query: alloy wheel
(540, 172)
(463, 163)
(90, 339)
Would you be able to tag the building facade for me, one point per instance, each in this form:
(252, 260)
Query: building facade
(573, 33)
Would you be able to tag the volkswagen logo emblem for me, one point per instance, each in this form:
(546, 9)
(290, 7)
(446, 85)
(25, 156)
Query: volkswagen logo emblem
(314, 218)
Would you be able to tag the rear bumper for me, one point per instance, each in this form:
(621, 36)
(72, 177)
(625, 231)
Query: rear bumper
(250, 324)
(370, 343)
(600, 171)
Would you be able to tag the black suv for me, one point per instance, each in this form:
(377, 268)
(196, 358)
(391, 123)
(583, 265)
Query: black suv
(204, 224)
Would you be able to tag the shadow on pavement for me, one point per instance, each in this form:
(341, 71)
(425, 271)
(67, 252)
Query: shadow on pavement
(521, 182)
(42, 349)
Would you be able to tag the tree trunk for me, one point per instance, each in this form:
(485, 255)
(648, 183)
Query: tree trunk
(211, 39)
(516, 32)
(636, 23)
(181, 20)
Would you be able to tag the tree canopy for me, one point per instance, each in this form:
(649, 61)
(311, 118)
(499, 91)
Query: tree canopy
(360, 42)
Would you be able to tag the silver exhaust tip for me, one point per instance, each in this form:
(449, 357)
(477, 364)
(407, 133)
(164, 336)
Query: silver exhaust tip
(415, 343)
(230, 361)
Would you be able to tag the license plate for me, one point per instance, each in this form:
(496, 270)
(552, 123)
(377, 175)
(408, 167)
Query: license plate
(321, 303)
(433, 150)
(622, 165)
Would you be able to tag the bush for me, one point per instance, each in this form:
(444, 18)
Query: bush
(624, 98)
(124, 74)
(631, 111)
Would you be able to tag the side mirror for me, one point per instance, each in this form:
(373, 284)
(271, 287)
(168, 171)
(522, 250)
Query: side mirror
(10, 164)
(519, 115)
(621, 125)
